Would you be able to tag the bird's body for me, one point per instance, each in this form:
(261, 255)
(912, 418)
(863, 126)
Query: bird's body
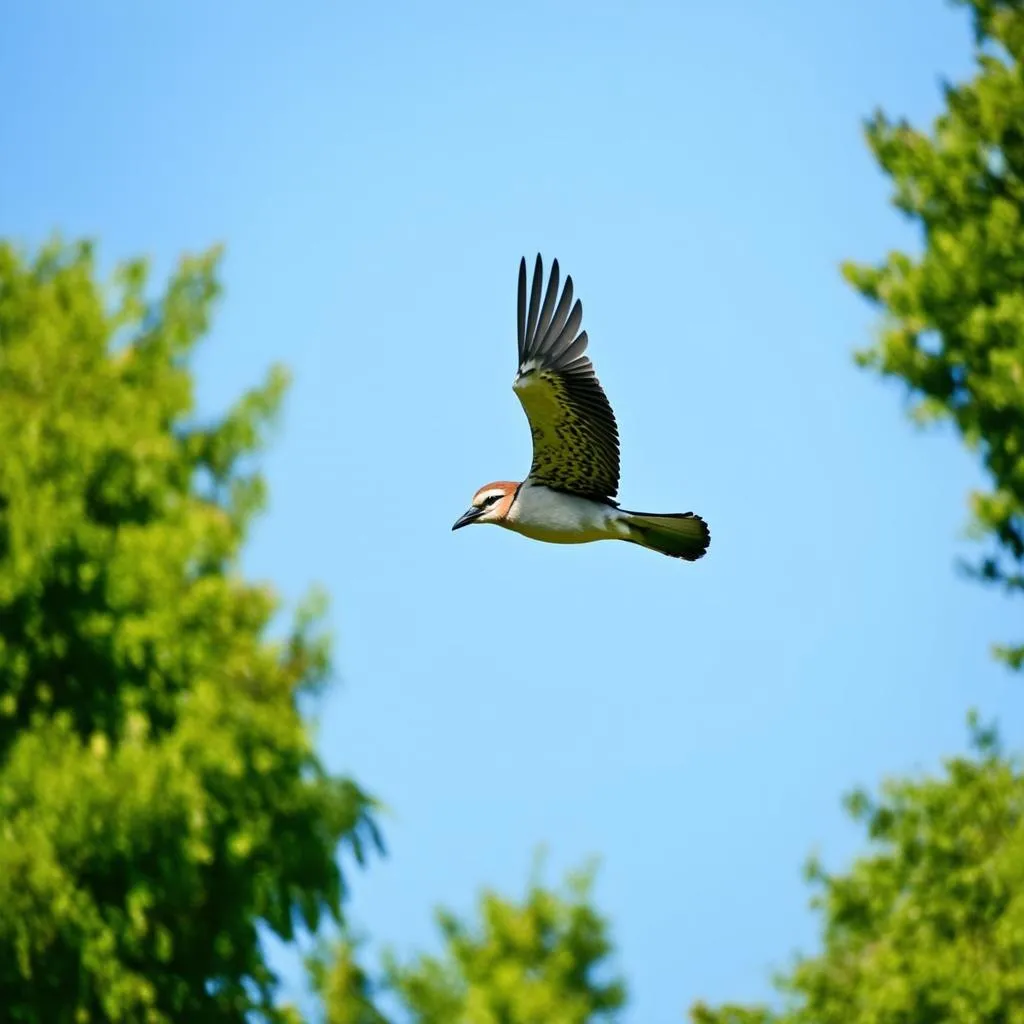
(560, 518)
(568, 497)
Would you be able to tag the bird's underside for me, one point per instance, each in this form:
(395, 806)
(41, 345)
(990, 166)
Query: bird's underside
(569, 495)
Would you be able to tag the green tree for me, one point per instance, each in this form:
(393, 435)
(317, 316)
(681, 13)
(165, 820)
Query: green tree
(160, 798)
(953, 327)
(543, 959)
(928, 927)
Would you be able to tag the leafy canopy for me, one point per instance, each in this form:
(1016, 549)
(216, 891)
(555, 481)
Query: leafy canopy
(160, 797)
(542, 959)
(929, 926)
(953, 325)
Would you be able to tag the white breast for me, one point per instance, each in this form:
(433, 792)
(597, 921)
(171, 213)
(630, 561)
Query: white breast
(559, 518)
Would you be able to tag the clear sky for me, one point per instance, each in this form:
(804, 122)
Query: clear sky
(376, 173)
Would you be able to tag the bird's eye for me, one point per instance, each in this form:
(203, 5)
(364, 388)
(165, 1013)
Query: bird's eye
(491, 499)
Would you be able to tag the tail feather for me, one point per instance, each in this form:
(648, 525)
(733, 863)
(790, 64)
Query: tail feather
(678, 535)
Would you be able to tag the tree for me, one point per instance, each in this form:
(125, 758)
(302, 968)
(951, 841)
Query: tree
(160, 797)
(953, 327)
(544, 959)
(930, 926)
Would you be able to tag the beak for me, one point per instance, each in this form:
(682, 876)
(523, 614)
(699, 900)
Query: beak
(467, 517)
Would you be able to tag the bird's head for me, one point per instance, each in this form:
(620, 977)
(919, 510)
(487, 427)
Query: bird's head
(490, 504)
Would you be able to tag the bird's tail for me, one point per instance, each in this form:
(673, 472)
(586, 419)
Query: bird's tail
(678, 535)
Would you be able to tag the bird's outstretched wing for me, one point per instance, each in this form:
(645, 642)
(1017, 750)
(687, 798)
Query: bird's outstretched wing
(575, 439)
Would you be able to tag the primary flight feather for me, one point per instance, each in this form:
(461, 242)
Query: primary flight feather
(568, 496)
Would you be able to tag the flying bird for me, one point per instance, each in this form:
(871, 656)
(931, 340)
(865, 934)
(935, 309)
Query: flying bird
(569, 495)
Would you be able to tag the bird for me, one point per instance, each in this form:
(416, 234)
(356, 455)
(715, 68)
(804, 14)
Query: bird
(569, 495)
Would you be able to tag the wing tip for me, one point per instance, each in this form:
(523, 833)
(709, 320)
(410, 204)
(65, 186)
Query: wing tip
(545, 333)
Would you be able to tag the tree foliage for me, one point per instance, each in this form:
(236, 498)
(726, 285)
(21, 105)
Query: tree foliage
(345, 989)
(929, 926)
(543, 959)
(160, 797)
(953, 328)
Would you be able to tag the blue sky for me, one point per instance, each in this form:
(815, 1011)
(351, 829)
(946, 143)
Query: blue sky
(376, 174)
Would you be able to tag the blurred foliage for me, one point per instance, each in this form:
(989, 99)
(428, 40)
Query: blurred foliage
(953, 327)
(542, 960)
(159, 792)
(929, 926)
(345, 990)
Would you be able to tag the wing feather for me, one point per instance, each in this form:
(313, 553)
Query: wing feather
(544, 321)
(575, 437)
(558, 321)
(531, 323)
(577, 348)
